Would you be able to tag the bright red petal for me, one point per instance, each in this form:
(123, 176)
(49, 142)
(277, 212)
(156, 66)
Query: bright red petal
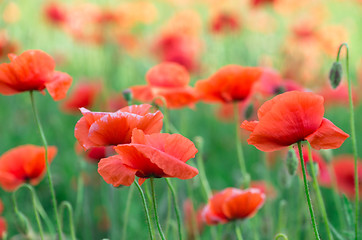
(327, 136)
(115, 172)
(59, 85)
(168, 75)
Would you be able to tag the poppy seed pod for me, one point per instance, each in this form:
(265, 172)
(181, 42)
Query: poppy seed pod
(335, 74)
(292, 162)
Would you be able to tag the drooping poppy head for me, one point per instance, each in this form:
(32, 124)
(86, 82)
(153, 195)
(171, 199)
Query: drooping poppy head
(23, 164)
(170, 81)
(292, 117)
(324, 177)
(97, 129)
(33, 70)
(232, 204)
(230, 83)
(343, 166)
(155, 155)
(83, 95)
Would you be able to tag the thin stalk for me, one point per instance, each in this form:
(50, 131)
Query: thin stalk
(318, 192)
(66, 205)
(282, 215)
(146, 209)
(353, 135)
(280, 236)
(239, 235)
(337, 200)
(168, 218)
(239, 148)
(34, 202)
(177, 211)
(44, 215)
(200, 164)
(49, 175)
(155, 209)
(126, 213)
(306, 189)
(80, 196)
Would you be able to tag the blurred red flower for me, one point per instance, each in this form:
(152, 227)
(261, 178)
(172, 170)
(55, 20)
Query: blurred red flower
(229, 83)
(192, 220)
(292, 117)
(324, 178)
(224, 22)
(23, 164)
(55, 13)
(83, 95)
(3, 227)
(179, 48)
(155, 155)
(169, 80)
(232, 204)
(33, 70)
(97, 129)
(343, 166)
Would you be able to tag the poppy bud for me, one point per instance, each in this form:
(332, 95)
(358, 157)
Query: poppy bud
(127, 94)
(327, 155)
(292, 162)
(284, 178)
(335, 74)
(22, 223)
(249, 111)
(316, 168)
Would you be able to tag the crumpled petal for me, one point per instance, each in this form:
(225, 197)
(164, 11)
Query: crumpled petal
(59, 85)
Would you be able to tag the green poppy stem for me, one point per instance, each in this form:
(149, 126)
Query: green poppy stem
(353, 135)
(51, 186)
(318, 193)
(281, 236)
(146, 209)
(155, 209)
(200, 165)
(66, 205)
(239, 148)
(34, 202)
(177, 211)
(306, 189)
(239, 235)
(126, 213)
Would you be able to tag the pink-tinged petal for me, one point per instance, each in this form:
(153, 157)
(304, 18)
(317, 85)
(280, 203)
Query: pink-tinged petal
(81, 133)
(327, 136)
(168, 75)
(141, 110)
(150, 123)
(9, 182)
(115, 172)
(59, 85)
(142, 93)
(180, 147)
(249, 125)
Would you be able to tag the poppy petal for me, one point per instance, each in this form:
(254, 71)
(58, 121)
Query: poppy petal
(115, 172)
(243, 205)
(249, 125)
(59, 85)
(327, 136)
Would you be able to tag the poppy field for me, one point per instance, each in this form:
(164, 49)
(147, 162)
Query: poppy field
(180, 119)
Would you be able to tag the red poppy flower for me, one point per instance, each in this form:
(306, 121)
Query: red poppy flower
(33, 70)
(192, 220)
(169, 80)
(94, 154)
(155, 155)
(324, 177)
(179, 48)
(3, 227)
(23, 164)
(233, 204)
(225, 22)
(292, 117)
(230, 83)
(97, 129)
(83, 95)
(344, 172)
(55, 13)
